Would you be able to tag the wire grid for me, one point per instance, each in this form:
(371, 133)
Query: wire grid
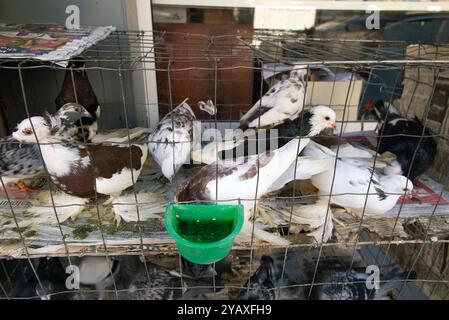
(178, 55)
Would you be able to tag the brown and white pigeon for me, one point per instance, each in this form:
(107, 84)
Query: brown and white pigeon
(82, 170)
(19, 162)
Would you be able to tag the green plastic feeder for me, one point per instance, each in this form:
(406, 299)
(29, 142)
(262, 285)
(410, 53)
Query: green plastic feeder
(204, 233)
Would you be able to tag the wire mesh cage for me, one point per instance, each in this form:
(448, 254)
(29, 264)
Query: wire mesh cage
(318, 253)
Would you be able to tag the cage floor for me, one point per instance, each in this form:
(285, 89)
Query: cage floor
(95, 232)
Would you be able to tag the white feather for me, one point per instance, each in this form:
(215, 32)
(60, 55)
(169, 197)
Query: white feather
(58, 158)
(347, 150)
(247, 231)
(351, 184)
(66, 207)
(150, 204)
(305, 168)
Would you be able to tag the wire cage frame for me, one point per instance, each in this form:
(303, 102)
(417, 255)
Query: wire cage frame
(220, 64)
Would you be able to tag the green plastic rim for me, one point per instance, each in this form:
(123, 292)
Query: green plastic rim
(208, 245)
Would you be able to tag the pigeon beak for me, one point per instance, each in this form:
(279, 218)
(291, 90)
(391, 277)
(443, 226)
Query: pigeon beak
(334, 127)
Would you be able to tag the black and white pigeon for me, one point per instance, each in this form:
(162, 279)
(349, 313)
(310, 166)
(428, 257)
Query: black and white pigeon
(79, 170)
(171, 142)
(49, 286)
(76, 123)
(262, 284)
(284, 101)
(342, 284)
(19, 162)
(78, 89)
(98, 272)
(250, 178)
(401, 136)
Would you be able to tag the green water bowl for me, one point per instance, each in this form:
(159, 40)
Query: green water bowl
(204, 233)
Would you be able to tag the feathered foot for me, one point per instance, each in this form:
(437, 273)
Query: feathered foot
(149, 204)
(247, 230)
(352, 213)
(339, 222)
(109, 201)
(314, 215)
(66, 206)
(323, 233)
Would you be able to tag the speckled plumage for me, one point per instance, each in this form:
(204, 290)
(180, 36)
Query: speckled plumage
(351, 284)
(170, 143)
(284, 101)
(73, 126)
(161, 285)
(18, 162)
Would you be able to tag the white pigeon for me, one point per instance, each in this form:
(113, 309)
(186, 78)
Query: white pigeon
(84, 170)
(170, 143)
(284, 101)
(354, 180)
(248, 179)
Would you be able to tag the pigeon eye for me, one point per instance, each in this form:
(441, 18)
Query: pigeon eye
(327, 118)
(27, 131)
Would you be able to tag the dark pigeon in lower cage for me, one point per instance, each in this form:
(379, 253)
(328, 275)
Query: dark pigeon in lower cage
(49, 284)
(262, 284)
